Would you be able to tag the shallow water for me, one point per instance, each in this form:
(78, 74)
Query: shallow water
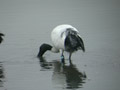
(28, 23)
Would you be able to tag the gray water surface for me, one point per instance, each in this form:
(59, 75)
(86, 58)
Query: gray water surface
(28, 23)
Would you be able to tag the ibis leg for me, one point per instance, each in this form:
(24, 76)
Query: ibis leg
(70, 57)
(62, 57)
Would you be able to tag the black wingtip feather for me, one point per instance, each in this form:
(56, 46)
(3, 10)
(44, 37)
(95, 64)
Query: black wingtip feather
(81, 44)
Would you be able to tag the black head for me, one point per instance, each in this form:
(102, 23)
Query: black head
(43, 48)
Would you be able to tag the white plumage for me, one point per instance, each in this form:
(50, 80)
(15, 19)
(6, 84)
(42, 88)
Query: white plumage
(58, 35)
(64, 38)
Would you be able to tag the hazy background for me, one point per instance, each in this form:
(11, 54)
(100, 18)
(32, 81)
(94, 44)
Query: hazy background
(28, 23)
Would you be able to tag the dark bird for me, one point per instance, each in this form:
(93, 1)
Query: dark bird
(1, 39)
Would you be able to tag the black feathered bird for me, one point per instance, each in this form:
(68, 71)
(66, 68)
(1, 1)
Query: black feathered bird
(1, 39)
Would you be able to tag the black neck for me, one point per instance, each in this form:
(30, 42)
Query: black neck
(43, 48)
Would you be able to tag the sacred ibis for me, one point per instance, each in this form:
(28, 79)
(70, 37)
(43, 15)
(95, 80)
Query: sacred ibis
(64, 38)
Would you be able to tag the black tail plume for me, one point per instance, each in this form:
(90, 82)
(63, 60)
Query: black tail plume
(73, 41)
(81, 43)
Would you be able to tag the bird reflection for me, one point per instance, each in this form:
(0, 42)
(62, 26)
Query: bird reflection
(1, 75)
(65, 76)
(44, 64)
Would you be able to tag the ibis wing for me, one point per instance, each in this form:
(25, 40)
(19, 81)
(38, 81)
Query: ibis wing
(73, 41)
